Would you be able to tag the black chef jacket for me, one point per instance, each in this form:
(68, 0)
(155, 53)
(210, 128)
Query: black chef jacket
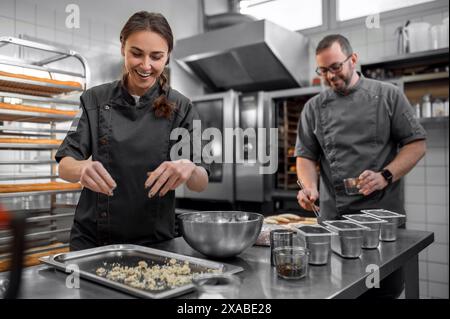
(129, 140)
(349, 134)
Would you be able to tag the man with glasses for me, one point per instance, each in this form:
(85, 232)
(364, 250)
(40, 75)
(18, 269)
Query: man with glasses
(359, 128)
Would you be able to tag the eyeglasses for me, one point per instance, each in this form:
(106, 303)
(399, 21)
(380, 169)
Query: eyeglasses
(334, 68)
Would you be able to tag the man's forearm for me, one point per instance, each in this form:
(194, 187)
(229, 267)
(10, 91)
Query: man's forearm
(406, 159)
(307, 173)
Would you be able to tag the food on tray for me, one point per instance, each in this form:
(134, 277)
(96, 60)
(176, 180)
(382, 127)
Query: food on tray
(279, 219)
(12, 188)
(30, 141)
(27, 108)
(285, 219)
(34, 78)
(172, 274)
(270, 221)
(291, 217)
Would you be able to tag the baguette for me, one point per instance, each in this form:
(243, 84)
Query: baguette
(34, 78)
(13, 188)
(27, 108)
(291, 217)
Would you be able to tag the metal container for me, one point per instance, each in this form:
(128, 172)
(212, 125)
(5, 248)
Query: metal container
(87, 263)
(318, 241)
(350, 238)
(388, 230)
(371, 235)
(220, 234)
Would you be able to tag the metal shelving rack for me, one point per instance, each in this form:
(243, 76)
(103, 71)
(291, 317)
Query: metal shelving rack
(416, 74)
(30, 91)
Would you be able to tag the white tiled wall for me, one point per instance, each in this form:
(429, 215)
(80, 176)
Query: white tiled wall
(373, 44)
(426, 202)
(98, 36)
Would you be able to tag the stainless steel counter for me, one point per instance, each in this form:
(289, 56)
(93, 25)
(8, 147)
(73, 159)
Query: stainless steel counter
(341, 278)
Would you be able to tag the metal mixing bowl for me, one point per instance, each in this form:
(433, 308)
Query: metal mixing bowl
(220, 234)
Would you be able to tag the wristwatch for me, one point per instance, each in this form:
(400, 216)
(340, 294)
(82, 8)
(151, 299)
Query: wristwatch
(387, 175)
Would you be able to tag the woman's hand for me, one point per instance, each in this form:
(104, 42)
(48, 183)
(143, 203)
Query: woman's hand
(168, 176)
(95, 177)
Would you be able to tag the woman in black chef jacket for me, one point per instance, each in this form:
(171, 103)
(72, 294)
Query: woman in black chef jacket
(125, 126)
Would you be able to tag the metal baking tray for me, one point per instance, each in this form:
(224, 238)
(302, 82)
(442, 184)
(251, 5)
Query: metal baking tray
(89, 260)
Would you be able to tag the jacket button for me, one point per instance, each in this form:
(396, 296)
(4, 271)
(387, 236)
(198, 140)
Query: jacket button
(106, 107)
(103, 141)
(104, 214)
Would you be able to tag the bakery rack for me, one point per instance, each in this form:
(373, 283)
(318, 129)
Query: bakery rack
(32, 107)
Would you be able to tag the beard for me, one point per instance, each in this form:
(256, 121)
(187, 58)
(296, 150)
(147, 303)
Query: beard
(340, 83)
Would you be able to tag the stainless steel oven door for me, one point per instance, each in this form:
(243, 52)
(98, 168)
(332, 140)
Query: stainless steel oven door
(216, 111)
(249, 117)
(272, 101)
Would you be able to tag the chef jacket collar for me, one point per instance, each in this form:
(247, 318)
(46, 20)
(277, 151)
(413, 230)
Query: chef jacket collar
(355, 87)
(122, 92)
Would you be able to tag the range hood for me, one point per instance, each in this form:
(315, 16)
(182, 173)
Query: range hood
(251, 56)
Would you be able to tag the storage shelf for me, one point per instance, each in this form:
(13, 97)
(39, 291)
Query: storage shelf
(25, 177)
(37, 193)
(45, 101)
(33, 117)
(11, 188)
(424, 77)
(25, 64)
(49, 217)
(409, 58)
(5, 129)
(431, 120)
(5, 240)
(39, 99)
(34, 87)
(28, 162)
(25, 146)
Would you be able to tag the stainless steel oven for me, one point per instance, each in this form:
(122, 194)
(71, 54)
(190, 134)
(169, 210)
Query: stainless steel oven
(249, 115)
(216, 111)
(243, 182)
(283, 109)
(278, 110)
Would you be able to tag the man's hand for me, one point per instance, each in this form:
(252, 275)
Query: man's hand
(168, 176)
(95, 177)
(370, 181)
(306, 198)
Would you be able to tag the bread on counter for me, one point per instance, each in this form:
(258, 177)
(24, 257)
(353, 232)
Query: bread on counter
(287, 219)
(281, 221)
